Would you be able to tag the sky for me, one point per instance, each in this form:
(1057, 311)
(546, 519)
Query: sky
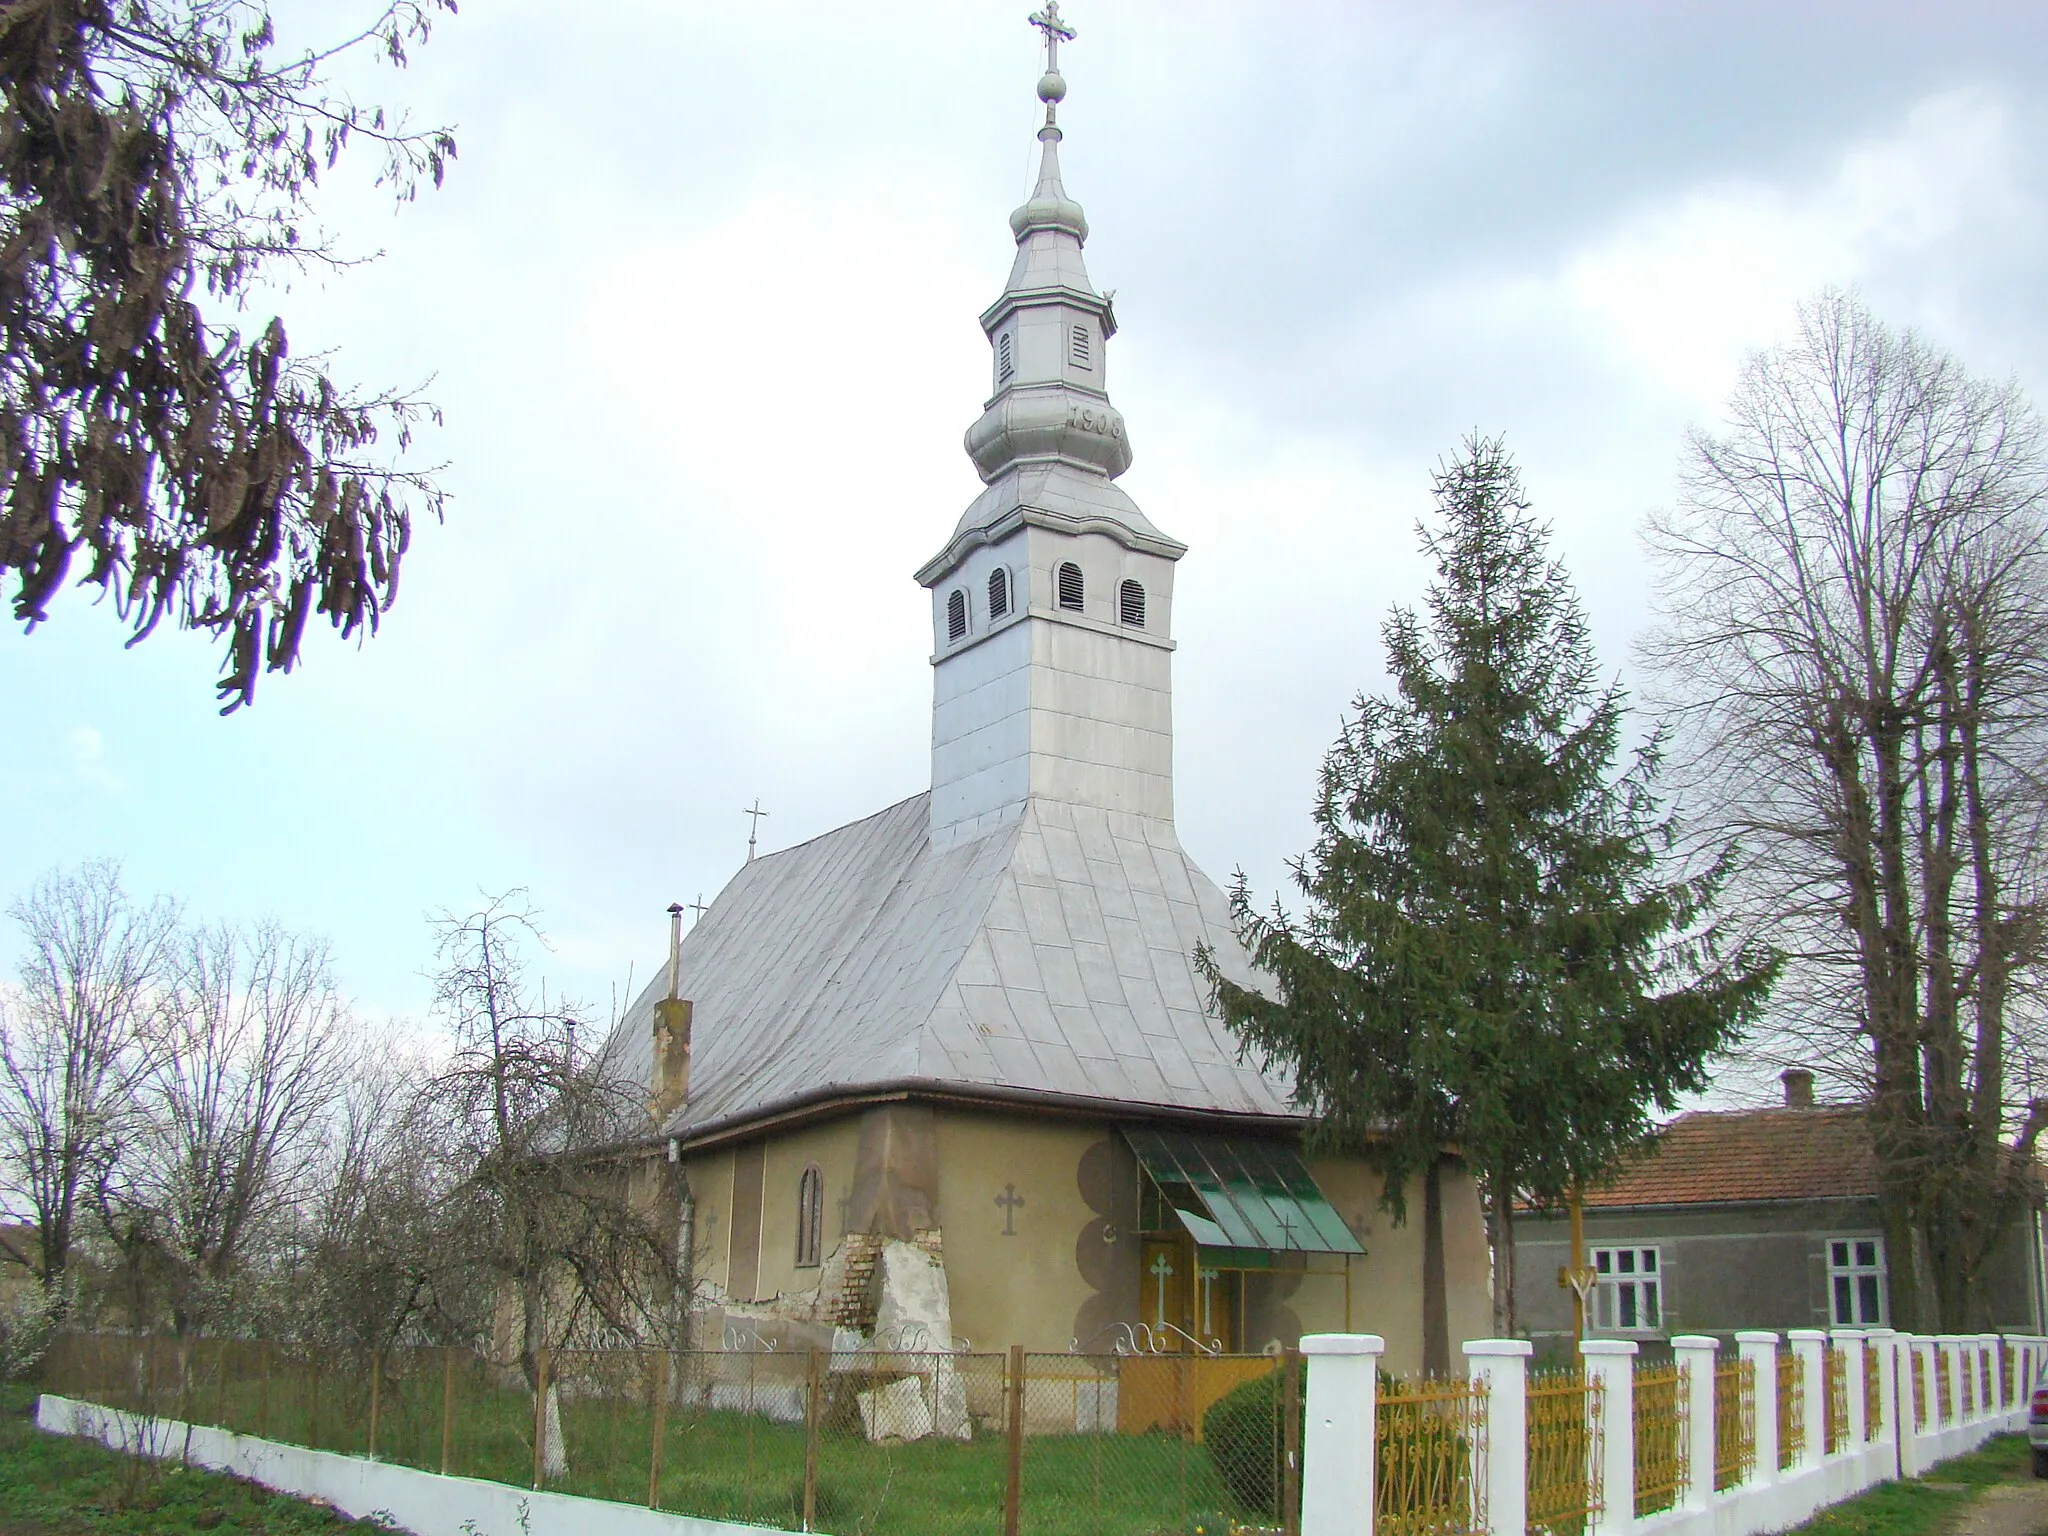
(699, 302)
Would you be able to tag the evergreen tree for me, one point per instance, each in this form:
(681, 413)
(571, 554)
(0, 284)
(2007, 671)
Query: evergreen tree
(1491, 960)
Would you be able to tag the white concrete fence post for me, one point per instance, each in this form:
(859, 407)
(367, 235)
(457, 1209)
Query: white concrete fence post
(1338, 1441)
(1504, 1365)
(1612, 1363)
(1695, 1354)
(1883, 1343)
(1807, 1344)
(1759, 1347)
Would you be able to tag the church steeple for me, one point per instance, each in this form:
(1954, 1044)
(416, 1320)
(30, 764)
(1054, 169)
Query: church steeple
(1048, 330)
(1051, 602)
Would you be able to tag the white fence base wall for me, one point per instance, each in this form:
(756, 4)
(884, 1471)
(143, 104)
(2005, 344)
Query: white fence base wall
(424, 1503)
(1799, 1495)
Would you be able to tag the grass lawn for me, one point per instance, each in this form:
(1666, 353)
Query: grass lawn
(1928, 1505)
(739, 1466)
(53, 1485)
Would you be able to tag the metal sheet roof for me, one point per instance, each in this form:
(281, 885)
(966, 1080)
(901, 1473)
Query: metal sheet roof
(1052, 954)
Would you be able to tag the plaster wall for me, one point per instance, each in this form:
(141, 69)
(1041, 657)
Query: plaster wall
(831, 1146)
(1386, 1284)
(1024, 1274)
(710, 1177)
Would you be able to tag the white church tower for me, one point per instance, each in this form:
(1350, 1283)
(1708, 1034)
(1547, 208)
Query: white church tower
(1052, 602)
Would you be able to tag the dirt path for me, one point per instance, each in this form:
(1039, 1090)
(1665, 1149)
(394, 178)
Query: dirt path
(2007, 1509)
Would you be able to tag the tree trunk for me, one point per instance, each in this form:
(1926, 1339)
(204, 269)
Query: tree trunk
(1500, 1240)
(1436, 1328)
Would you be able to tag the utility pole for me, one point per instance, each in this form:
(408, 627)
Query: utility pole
(1578, 1276)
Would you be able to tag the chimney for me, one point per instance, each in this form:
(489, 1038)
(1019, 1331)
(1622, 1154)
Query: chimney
(1798, 1083)
(668, 1087)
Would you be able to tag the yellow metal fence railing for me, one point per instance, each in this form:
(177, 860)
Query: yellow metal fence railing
(1566, 1440)
(1919, 1376)
(1431, 1436)
(1734, 1422)
(1943, 1392)
(1791, 1408)
(1835, 1399)
(1873, 1394)
(1663, 1436)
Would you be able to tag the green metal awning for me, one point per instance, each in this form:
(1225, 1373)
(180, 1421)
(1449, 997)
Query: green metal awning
(1231, 1193)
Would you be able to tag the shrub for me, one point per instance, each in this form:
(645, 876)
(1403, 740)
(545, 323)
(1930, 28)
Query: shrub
(1243, 1435)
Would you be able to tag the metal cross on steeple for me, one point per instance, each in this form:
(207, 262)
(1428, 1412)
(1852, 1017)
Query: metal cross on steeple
(1056, 32)
(754, 826)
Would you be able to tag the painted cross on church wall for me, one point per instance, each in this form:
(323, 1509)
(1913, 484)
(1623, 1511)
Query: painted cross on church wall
(1009, 1200)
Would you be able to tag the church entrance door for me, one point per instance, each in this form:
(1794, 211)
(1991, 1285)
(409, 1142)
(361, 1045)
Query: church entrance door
(1184, 1300)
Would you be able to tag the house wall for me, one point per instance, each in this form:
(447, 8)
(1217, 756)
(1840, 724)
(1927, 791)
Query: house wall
(1727, 1267)
(1039, 1229)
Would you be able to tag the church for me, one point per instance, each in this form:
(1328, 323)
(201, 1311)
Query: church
(950, 1070)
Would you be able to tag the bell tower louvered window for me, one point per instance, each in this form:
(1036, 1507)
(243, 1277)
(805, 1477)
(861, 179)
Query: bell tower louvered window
(1004, 364)
(810, 1218)
(956, 615)
(1079, 349)
(1070, 587)
(1130, 604)
(998, 593)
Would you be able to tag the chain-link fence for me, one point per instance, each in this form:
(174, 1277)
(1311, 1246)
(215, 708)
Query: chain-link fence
(859, 1441)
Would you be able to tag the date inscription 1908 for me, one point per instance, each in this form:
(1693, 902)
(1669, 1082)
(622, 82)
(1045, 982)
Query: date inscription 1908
(1087, 419)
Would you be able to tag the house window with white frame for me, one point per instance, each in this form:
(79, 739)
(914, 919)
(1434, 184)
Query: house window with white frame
(1856, 1281)
(1628, 1295)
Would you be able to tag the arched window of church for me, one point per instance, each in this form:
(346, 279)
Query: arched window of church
(1070, 587)
(1004, 367)
(956, 615)
(998, 593)
(1130, 604)
(810, 1218)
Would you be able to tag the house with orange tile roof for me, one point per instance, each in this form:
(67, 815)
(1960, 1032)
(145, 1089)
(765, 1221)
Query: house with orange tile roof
(1749, 1218)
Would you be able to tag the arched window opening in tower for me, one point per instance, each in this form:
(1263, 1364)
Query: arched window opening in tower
(810, 1218)
(1003, 365)
(1070, 587)
(1131, 604)
(998, 593)
(956, 615)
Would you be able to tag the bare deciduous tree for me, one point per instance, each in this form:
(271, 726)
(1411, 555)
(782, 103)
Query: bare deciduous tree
(253, 1057)
(1852, 655)
(529, 1105)
(74, 1048)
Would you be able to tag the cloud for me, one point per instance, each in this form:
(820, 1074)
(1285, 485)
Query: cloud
(88, 753)
(1680, 290)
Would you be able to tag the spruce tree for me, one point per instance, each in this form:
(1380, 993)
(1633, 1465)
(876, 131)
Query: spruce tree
(1492, 960)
